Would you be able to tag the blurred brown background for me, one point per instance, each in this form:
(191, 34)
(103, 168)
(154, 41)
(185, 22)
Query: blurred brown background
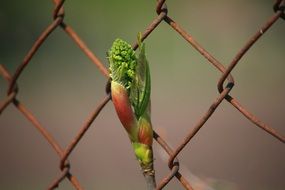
(61, 86)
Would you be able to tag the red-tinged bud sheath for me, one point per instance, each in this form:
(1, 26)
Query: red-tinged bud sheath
(145, 132)
(123, 106)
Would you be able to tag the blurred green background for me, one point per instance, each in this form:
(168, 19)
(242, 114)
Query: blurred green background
(62, 87)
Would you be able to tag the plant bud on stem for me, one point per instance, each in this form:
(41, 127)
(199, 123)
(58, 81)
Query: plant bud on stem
(130, 90)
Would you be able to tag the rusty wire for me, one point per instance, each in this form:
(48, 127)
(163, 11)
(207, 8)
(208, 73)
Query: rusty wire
(162, 15)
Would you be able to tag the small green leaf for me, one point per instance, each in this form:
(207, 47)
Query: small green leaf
(144, 101)
(140, 91)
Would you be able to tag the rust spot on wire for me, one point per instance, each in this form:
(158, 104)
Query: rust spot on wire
(162, 15)
(279, 8)
(58, 10)
(62, 176)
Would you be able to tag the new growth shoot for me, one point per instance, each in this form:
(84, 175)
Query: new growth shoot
(130, 90)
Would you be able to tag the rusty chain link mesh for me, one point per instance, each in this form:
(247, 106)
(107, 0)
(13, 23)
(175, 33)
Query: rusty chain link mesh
(225, 85)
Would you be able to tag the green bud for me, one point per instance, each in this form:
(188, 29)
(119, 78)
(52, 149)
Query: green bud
(122, 63)
(130, 90)
(143, 153)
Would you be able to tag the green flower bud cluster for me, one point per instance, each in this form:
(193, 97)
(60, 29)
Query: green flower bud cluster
(123, 63)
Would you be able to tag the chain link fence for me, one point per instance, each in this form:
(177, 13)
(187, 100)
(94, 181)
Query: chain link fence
(224, 86)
